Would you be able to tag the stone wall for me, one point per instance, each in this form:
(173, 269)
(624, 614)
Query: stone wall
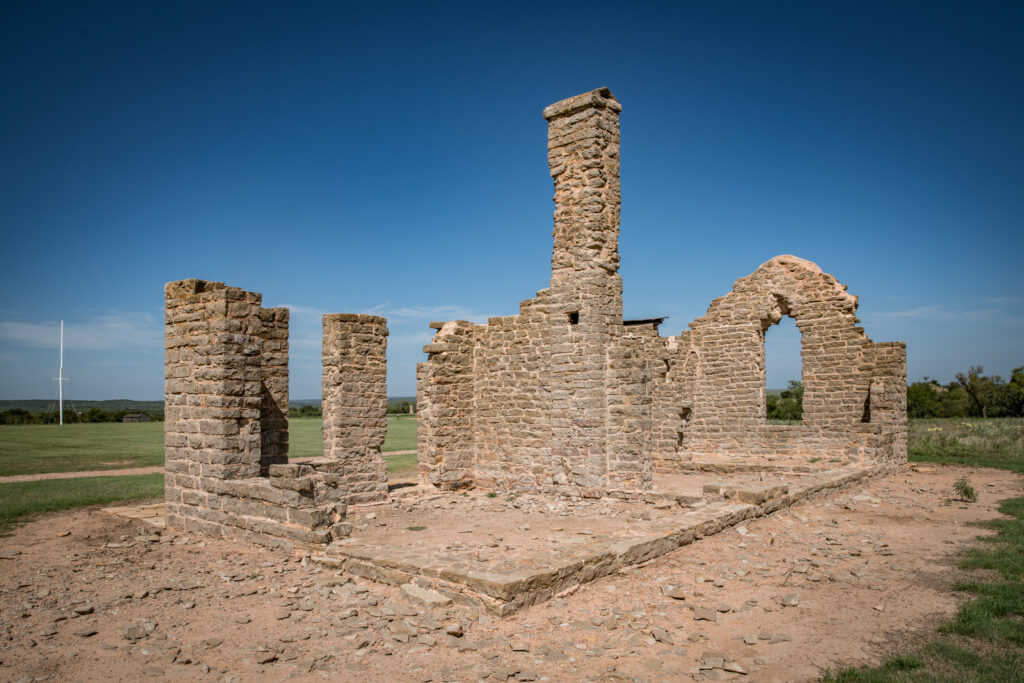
(724, 391)
(226, 419)
(355, 403)
(568, 397)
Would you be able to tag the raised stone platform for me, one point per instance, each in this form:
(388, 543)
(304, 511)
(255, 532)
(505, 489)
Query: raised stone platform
(503, 553)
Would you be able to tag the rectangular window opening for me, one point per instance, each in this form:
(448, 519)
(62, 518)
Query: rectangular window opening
(684, 420)
(574, 318)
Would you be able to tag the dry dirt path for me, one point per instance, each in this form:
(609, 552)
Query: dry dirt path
(109, 473)
(839, 580)
(84, 473)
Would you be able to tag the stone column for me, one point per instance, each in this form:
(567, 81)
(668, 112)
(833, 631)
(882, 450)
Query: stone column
(212, 391)
(355, 403)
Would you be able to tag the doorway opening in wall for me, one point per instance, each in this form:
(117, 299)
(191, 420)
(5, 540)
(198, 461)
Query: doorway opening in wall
(784, 391)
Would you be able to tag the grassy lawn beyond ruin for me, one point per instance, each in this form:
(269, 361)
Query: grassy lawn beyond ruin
(37, 449)
(26, 498)
(43, 449)
(40, 449)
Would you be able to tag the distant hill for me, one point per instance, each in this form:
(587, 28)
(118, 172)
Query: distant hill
(299, 402)
(113, 406)
(34, 405)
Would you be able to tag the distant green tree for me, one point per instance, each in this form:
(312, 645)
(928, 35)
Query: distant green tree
(98, 415)
(788, 405)
(398, 408)
(305, 411)
(982, 390)
(1011, 399)
(971, 394)
(923, 398)
(17, 416)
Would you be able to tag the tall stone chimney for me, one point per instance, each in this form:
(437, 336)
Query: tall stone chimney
(583, 155)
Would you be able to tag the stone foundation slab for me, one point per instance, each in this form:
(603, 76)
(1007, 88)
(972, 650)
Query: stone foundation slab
(536, 574)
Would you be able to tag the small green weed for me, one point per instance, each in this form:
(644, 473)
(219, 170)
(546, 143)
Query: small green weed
(964, 489)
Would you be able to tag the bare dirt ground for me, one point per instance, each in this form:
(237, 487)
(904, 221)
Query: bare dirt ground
(836, 581)
(10, 478)
(84, 473)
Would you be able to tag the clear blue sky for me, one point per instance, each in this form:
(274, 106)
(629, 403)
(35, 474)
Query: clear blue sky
(363, 157)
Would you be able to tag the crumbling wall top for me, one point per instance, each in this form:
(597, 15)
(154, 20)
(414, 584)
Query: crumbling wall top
(356, 318)
(803, 280)
(175, 290)
(596, 99)
(194, 290)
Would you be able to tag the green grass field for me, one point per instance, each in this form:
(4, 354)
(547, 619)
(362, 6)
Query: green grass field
(24, 498)
(973, 442)
(305, 438)
(37, 449)
(34, 449)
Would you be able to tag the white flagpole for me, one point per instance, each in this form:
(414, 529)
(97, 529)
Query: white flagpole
(60, 375)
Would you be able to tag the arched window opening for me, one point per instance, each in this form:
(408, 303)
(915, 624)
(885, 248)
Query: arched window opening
(784, 390)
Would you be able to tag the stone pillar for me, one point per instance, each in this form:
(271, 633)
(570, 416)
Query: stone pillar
(212, 389)
(887, 402)
(274, 388)
(355, 403)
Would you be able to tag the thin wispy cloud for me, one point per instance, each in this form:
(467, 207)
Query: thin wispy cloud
(411, 339)
(935, 313)
(428, 313)
(301, 311)
(374, 310)
(110, 331)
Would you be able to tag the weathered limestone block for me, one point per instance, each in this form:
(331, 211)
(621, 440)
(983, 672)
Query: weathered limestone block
(355, 403)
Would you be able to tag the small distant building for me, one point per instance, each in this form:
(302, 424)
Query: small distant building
(136, 417)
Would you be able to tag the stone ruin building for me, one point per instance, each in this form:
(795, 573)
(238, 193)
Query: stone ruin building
(566, 398)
